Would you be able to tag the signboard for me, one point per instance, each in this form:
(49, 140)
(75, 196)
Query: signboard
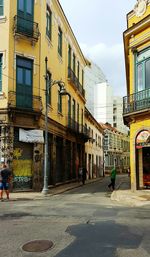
(31, 136)
(143, 138)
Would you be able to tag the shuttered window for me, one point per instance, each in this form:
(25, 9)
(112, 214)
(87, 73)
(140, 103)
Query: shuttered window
(49, 23)
(60, 41)
(143, 70)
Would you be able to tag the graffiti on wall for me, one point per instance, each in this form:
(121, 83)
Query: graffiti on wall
(17, 153)
(22, 168)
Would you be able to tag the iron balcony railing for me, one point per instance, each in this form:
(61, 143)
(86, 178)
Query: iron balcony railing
(136, 102)
(26, 102)
(78, 128)
(26, 27)
(75, 81)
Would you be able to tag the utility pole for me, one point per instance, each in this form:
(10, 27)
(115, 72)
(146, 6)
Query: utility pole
(45, 188)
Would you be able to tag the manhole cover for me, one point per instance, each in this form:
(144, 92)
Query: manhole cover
(37, 246)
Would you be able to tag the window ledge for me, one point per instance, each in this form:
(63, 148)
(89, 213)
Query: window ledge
(3, 19)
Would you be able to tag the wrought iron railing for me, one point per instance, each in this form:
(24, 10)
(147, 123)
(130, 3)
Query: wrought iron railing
(75, 81)
(26, 102)
(78, 128)
(26, 27)
(136, 102)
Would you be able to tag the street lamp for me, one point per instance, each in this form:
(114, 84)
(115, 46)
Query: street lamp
(63, 91)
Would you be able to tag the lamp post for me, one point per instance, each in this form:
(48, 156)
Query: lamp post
(63, 91)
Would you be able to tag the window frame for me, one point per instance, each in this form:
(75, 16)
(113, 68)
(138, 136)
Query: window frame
(74, 63)
(141, 63)
(78, 71)
(69, 56)
(60, 36)
(49, 21)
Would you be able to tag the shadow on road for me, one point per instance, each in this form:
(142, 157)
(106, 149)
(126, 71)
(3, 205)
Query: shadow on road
(100, 239)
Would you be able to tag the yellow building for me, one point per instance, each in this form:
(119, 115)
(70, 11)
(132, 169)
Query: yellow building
(93, 147)
(137, 102)
(30, 31)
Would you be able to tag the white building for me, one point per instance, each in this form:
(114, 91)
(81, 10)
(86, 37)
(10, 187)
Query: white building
(117, 115)
(93, 76)
(103, 103)
(100, 101)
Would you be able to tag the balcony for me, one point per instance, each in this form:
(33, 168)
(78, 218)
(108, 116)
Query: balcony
(136, 103)
(78, 129)
(24, 102)
(26, 28)
(74, 80)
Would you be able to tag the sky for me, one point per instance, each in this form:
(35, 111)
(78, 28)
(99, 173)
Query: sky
(98, 26)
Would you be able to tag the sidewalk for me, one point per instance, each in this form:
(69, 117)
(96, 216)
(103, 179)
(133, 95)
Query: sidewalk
(22, 196)
(124, 195)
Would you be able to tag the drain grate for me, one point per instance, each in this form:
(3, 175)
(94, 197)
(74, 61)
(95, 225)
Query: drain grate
(37, 246)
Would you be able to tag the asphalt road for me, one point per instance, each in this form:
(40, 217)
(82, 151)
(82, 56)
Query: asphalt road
(81, 222)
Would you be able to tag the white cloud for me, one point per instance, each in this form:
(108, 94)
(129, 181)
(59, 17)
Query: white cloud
(111, 60)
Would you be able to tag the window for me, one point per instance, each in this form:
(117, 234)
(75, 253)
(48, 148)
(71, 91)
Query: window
(69, 56)
(74, 63)
(59, 101)
(24, 82)
(82, 115)
(60, 41)
(73, 110)
(143, 70)
(49, 76)
(1, 56)
(78, 113)
(1, 7)
(21, 5)
(26, 6)
(49, 23)
(78, 70)
(82, 77)
(29, 5)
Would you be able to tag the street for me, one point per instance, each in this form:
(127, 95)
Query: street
(81, 222)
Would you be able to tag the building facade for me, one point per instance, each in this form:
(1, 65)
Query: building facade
(118, 115)
(116, 149)
(137, 102)
(93, 77)
(93, 147)
(39, 52)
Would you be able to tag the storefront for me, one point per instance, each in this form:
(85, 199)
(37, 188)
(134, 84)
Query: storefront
(143, 159)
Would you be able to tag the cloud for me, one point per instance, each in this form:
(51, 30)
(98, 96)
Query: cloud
(111, 60)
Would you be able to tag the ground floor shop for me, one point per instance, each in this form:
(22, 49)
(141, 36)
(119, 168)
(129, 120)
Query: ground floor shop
(140, 155)
(25, 156)
(143, 160)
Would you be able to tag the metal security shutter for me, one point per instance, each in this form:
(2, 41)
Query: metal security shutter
(22, 164)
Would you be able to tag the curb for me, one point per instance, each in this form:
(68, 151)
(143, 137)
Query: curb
(56, 189)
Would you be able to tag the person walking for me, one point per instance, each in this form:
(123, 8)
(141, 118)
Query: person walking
(84, 171)
(5, 175)
(113, 178)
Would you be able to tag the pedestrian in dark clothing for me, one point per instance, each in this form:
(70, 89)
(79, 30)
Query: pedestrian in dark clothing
(5, 175)
(84, 171)
(113, 178)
